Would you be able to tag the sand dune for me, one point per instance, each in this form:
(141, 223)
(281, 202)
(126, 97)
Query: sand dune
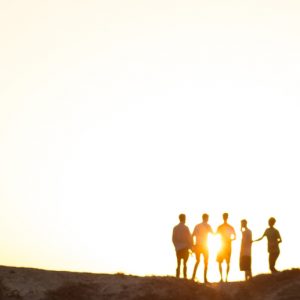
(33, 284)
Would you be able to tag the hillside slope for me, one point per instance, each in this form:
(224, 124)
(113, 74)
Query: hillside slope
(33, 284)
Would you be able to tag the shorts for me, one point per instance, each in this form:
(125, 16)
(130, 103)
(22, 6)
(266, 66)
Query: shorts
(245, 263)
(198, 250)
(224, 254)
(182, 254)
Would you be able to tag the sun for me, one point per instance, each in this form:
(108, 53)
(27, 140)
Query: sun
(214, 244)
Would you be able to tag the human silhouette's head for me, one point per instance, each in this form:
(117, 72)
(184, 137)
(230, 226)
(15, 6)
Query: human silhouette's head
(244, 223)
(272, 222)
(225, 217)
(182, 218)
(205, 217)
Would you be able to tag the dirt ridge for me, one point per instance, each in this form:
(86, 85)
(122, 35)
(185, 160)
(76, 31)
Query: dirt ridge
(36, 284)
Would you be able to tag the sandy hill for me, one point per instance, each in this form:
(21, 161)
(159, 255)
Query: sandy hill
(33, 284)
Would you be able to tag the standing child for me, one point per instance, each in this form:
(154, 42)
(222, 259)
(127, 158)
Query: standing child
(274, 239)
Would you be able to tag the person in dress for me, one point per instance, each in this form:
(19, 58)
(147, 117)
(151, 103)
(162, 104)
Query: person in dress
(245, 254)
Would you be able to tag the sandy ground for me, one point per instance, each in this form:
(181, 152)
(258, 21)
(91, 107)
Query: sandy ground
(33, 284)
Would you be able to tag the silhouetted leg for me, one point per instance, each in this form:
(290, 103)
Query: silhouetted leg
(248, 274)
(178, 267)
(220, 270)
(184, 269)
(272, 260)
(205, 274)
(185, 259)
(250, 269)
(205, 267)
(196, 265)
(179, 256)
(227, 270)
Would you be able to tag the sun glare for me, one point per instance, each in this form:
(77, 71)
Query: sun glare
(214, 244)
(110, 128)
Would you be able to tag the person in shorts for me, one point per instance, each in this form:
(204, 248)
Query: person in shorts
(200, 234)
(274, 239)
(227, 234)
(245, 254)
(182, 240)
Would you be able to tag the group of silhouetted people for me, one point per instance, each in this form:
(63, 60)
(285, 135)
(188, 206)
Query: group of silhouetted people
(197, 242)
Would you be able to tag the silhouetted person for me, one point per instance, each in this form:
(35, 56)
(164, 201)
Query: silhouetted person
(182, 240)
(274, 238)
(227, 234)
(245, 254)
(200, 233)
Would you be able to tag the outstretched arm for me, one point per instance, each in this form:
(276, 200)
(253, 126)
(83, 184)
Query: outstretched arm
(259, 239)
(211, 231)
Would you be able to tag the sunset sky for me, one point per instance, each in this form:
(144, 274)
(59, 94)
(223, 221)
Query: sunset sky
(116, 116)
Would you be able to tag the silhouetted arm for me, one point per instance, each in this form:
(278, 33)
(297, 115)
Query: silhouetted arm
(259, 239)
(233, 235)
(217, 231)
(213, 232)
(279, 239)
(194, 236)
(173, 237)
(190, 239)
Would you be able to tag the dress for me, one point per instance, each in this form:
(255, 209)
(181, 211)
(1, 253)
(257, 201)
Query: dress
(245, 254)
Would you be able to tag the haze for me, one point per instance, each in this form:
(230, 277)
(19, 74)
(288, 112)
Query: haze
(117, 116)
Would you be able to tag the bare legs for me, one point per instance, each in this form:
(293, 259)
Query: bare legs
(205, 266)
(178, 267)
(195, 268)
(182, 255)
(205, 272)
(272, 260)
(227, 270)
(184, 268)
(221, 271)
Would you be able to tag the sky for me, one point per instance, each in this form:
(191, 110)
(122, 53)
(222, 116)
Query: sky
(117, 116)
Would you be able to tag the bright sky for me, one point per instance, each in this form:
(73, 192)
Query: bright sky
(116, 116)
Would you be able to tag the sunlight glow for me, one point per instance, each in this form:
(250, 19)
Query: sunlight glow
(214, 244)
(116, 116)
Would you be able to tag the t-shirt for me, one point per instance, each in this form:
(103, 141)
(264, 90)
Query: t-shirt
(246, 243)
(182, 238)
(273, 237)
(226, 232)
(201, 232)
